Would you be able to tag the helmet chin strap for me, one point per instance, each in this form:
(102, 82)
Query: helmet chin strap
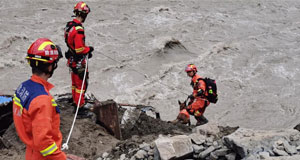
(83, 16)
(50, 73)
(194, 73)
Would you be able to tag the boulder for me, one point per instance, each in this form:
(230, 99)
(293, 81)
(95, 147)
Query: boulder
(206, 152)
(208, 129)
(294, 157)
(174, 147)
(197, 138)
(247, 142)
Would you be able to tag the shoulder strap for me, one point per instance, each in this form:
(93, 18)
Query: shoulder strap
(69, 26)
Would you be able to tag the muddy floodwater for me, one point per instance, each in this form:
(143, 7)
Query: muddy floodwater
(251, 48)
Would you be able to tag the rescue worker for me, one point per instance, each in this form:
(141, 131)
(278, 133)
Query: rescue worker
(76, 55)
(35, 113)
(198, 101)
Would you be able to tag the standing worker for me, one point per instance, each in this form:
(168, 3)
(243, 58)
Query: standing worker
(35, 113)
(198, 100)
(77, 54)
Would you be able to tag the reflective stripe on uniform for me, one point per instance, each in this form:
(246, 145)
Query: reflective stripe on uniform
(79, 49)
(49, 150)
(73, 87)
(17, 102)
(54, 104)
(197, 113)
(78, 90)
(78, 27)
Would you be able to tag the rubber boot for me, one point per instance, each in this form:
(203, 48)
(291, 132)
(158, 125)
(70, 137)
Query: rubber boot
(201, 120)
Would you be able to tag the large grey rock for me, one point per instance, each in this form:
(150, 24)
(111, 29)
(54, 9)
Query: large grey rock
(264, 155)
(105, 155)
(294, 157)
(213, 156)
(141, 154)
(174, 147)
(280, 152)
(145, 146)
(197, 148)
(209, 129)
(221, 152)
(288, 148)
(246, 141)
(123, 157)
(197, 138)
(206, 152)
(230, 156)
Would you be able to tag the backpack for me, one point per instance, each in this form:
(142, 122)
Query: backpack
(211, 88)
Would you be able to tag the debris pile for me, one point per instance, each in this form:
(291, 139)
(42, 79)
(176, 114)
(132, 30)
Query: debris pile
(212, 142)
(144, 136)
(203, 142)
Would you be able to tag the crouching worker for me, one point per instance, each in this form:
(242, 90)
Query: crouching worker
(35, 113)
(198, 101)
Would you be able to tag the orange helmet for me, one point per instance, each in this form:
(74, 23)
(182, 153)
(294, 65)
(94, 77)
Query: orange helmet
(190, 67)
(82, 7)
(44, 50)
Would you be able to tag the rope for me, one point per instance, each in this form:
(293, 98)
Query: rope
(65, 145)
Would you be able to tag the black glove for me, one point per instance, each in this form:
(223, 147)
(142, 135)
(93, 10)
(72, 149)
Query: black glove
(68, 54)
(90, 55)
(91, 49)
(200, 92)
(191, 96)
(80, 72)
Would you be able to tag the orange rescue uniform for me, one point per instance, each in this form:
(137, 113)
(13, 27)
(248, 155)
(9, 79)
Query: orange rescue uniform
(75, 40)
(200, 102)
(37, 121)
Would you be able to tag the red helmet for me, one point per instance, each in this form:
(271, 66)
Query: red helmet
(191, 67)
(44, 50)
(82, 7)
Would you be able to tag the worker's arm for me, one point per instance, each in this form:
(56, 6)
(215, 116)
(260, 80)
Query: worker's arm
(41, 112)
(200, 89)
(80, 47)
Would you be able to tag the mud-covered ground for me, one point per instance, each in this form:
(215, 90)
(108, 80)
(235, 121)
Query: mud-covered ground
(147, 125)
(90, 140)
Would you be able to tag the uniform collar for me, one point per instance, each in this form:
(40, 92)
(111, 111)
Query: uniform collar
(41, 81)
(76, 21)
(195, 78)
